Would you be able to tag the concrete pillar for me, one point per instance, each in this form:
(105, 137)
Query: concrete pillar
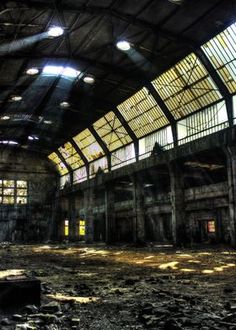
(231, 173)
(110, 212)
(89, 217)
(177, 204)
(139, 209)
(72, 217)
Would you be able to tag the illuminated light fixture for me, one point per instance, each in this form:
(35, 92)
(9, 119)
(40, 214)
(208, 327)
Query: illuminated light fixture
(16, 98)
(33, 137)
(47, 122)
(5, 117)
(8, 142)
(60, 70)
(176, 2)
(64, 104)
(123, 45)
(89, 80)
(55, 31)
(32, 71)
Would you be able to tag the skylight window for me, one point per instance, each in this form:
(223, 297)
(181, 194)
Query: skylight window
(8, 142)
(53, 70)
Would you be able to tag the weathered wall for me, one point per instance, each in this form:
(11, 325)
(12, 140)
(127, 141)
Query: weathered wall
(32, 221)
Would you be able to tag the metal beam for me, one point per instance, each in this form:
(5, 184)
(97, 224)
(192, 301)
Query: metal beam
(129, 131)
(102, 145)
(70, 171)
(218, 81)
(107, 12)
(81, 154)
(165, 111)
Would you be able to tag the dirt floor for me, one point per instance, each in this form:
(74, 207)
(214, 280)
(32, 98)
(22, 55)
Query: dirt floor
(100, 287)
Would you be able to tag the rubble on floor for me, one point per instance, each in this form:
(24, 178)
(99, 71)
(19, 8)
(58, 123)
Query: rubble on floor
(119, 288)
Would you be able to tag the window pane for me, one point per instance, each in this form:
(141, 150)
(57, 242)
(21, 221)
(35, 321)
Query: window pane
(8, 192)
(21, 192)
(21, 184)
(8, 183)
(8, 200)
(21, 200)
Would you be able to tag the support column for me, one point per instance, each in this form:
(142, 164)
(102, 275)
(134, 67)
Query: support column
(89, 217)
(177, 204)
(139, 209)
(110, 212)
(231, 173)
(72, 218)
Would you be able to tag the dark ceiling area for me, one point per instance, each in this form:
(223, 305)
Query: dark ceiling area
(161, 32)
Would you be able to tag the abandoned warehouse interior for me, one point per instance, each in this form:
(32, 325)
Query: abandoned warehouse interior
(118, 148)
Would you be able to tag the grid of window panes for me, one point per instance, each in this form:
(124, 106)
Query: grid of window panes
(221, 52)
(111, 131)
(13, 192)
(88, 145)
(70, 155)
(142, 113)
(203, 123)
(59, 164)
(186, 87)
(123, 156)
(163, 137)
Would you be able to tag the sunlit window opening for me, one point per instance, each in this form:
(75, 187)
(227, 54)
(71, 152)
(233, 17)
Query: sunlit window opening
(221, 52)
(142, 113)
(186, 87)
(13, 192)
(81, 228)
(59, 164)
(66, 228)
(211, 226)
(53, 70)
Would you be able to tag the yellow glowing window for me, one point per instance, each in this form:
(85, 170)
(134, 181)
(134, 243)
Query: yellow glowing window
(186, 87)
(142, 113)
(66, 228)
(59, 164)
(88, 145)
(221, 52)
(11, 194)
(70, 155)
(111, 131)
(81, 227)
(211, 226)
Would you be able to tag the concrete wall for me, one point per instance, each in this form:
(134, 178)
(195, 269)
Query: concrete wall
(32, 221)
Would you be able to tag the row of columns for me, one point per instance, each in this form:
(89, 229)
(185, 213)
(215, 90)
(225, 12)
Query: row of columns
(178, 217)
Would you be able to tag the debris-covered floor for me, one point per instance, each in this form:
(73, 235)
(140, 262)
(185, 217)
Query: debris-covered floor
(99, 287)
